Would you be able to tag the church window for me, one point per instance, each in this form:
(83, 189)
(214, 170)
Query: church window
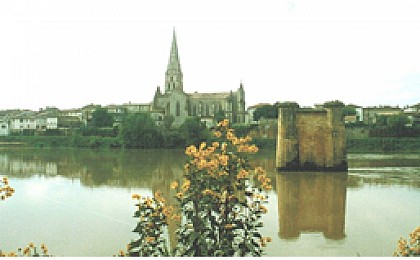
(178, 108)
(194, 111)
(168, 108)
(207, 110)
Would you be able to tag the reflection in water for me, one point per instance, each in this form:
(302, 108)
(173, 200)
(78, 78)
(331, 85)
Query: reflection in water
(384, 170)
(306, 202)
(151, 169)
(131, 168)
(311, 202)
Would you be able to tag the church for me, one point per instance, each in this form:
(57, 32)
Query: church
(179, 105)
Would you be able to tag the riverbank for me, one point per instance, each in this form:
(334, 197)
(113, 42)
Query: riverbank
(60, 141)
(354, 145)
(383, 144)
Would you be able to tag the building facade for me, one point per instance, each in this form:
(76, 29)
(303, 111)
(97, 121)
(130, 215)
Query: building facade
(371, 114)
(4, 126)
(179, 105)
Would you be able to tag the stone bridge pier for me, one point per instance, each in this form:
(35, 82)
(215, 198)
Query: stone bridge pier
(311, 139)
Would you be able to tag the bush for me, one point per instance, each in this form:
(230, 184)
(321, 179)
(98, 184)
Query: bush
(221, 199)
(30, 250)
(173, 139)
(411, 247)
(5, 190)
(193, 131)
(95, 131)
(140, 131)
(265, 143)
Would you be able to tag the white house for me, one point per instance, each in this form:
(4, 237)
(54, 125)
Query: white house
(52, 122)
(4, 126)
(23, 121)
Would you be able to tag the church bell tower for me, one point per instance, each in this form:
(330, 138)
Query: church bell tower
(173, 76)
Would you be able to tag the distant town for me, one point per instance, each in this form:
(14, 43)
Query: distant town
(52, 118)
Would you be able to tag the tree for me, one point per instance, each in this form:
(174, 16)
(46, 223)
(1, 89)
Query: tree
(397, 121)
(393, 125)
(381, 121)
(266, 111)
(101, 118)
(168, 120)
(219, 115)
(193, 131)
(397, 124)
(140, 131)
(349, 110)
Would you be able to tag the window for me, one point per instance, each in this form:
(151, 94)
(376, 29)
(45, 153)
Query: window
(194, 111)
(168, 108)
(178, 108)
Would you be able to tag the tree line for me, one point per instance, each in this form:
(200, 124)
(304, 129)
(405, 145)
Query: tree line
(139, 130)
(394, 126)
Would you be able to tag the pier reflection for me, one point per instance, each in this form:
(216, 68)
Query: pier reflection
(311, 202)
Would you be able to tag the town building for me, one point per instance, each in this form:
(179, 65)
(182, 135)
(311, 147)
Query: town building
(4, 126)
(23, 122)
(136, 107)
(371, 114)
(47, 119)
(413, 114)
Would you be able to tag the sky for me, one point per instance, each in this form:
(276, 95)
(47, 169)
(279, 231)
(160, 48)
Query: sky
(70, 53)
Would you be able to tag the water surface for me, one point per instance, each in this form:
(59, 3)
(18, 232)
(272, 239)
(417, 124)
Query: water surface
(78, 201)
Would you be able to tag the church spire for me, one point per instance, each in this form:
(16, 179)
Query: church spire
(173, 58)
(173, 79)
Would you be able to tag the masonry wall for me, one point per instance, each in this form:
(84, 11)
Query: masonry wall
(311, 139)
(314, 138)
(287, 141)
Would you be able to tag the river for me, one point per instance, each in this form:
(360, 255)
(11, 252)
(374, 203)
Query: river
(78, 202)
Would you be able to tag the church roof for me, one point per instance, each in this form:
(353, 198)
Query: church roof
(260, 105)
(217, 95)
